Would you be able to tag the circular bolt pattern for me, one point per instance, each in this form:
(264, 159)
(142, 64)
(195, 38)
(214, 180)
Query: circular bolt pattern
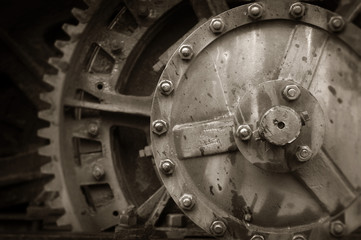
(216, 25)
(291, 92)
(297, 10)
(304, 153)
(187, 201)
(167, 166)
(244, 132)
(257, 237)
(93, 129)
(166, 87)
(186, 52)
(298, 237)
(336, 23)
(218, 228)
(159, 127)
(98, 172)
(255, 11)
(337, 228)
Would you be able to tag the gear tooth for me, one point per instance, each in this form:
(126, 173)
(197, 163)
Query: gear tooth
(53, 185)
(56, 203)
(46, 115)
(47, 168)
(46, 97)
(59, 63)
(50, 79)
(73, 31)
(46, 150)
(59, 44)
(80, 15)
(44, 132)
(63, 221)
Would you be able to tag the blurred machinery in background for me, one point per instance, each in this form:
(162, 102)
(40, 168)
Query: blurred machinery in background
(181, 119)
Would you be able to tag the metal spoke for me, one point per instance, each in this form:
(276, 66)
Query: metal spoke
(116, 103)
(208, 8)
(145, 210)
(324, 180)
(349, 10)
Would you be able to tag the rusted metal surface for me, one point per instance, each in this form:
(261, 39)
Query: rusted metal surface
(223, 79)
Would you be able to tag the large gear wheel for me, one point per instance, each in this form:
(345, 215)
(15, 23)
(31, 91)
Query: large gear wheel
(124, 84)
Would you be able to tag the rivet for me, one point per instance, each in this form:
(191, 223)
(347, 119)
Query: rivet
(216, 25)
(167, 166)
(98, 172)
(187, 201)
(93, 129)
(337, 228)
(304, 153)
(218, 228)
(244, 132)
(255, 11)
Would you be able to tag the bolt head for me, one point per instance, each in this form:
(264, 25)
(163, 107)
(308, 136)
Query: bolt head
(166, 87)
(186, 52)
(98, 172)
(298, 237)
(255, 11)
(167, 166)
(217, 25)
(247, 217)
(291, 92)
(304, 153)
(218, 228)
(159, 127)
(337, 228)
(244, 132)
(297, 10)
(187, 201)
(93, 129)
(257, 237)
(336, 23)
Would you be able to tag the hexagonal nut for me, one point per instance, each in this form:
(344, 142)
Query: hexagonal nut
(255, 11)
(98, 172)
(187, 201)
(297, 10)
(186, 52)
(337, 228)
(291, 92)
(159, 127)
(127, 219)
(167, 166)
(218, 228)
(176, 220)
(304, 153)
(166, 87)
(216, 25)
(336, 24)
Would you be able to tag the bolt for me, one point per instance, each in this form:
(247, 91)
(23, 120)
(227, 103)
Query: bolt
(187, 201)
(116, 46)
(257, 237)
(255, 11)
(159, 127)
(336, 23)
(186, 52)
(297, 10)
(167, 166)
(216, 25)
(98, 172)
(304, 153)
(305, 117)
(244, 132)
(93, 129)
(218, 228)
(166, 87)
(298, 237)
(291, 92)
(143, 10)
(337, 228)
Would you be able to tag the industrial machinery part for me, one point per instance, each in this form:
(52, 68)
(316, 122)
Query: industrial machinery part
(245, 126)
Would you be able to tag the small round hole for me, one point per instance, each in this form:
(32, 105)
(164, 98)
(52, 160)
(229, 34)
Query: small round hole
(115, 213)
(281, 125)
(100, 86)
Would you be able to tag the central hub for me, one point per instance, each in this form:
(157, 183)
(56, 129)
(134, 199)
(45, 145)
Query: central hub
(280, 125)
